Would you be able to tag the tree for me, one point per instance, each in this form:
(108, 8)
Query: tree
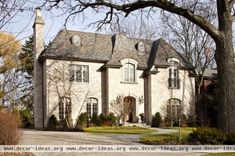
(220, 33)
(9, 48)
(25, 71)
(195, 43)
(8, 10)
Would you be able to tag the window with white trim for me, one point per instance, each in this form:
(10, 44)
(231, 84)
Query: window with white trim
(92, 106)
(173, 80)
(64, 107)
(129, 72)
(78, 73)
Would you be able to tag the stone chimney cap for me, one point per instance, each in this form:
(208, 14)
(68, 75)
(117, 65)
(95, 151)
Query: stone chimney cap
(38, 11)
(38, 19)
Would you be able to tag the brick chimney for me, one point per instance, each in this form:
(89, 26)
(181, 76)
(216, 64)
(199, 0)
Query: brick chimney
(38, 42)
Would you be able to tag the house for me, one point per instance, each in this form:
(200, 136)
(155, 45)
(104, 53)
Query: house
(97, 73)
(207, 103)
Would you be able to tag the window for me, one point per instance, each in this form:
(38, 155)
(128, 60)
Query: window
(78, 73)
(64, 107)
(92, 106)
(174, 108)
(129, 72)
(173, 80)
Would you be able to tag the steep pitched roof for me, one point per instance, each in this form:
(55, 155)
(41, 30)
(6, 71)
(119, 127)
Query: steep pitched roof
(94, 47)
(111, 49)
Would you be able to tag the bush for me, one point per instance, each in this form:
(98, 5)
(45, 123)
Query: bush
(167, 122)
(9, 131)
(95, 120)
(230, 139)
(26, 118)
(210, 136)
(156, 120)
(191, 121)
(112, 119)
(142, 117)
(53, 122)
(82, 121)
(103, 119)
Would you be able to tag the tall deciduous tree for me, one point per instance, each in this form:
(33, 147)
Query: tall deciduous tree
(221, 34)
(9, 48)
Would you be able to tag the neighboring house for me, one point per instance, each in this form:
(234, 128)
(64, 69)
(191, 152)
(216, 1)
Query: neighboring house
(97, 73)
(206, 107)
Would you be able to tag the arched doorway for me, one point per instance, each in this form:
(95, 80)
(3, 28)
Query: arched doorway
(129, 104)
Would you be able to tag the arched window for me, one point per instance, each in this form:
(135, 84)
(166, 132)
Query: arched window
(173, 80)
(64, 107)
(174, 108)
(129, 72)
(92, 106)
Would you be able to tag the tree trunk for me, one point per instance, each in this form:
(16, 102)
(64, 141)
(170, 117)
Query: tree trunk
(226, 83)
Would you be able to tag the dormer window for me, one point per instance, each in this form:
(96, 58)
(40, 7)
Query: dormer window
(129, 70)
(173, 79)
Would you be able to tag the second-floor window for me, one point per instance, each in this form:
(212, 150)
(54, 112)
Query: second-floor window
(129, 72)
(78, 73)
(173, 80)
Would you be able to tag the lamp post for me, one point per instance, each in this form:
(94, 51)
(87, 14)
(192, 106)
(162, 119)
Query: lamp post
(179, 131)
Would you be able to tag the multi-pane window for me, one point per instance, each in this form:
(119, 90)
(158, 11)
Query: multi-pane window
(129, 72)
(92, 106)
(78, 73)
(174, 108)
(64, 107)
(173, 80)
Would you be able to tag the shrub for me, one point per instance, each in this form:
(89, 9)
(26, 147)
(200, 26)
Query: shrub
(167, 122)
(26, 118)
(156, 120)
(9, 131)
(191, 121)
(230, 139)
(82, 121)
(210, 136)
(53, 122)
(142, 117)
(112, 119)
(102, 118)
(183, 121)
(95, 120)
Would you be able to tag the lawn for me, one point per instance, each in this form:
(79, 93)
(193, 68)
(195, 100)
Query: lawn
(119, 129)
(220, 154)
(168, 138)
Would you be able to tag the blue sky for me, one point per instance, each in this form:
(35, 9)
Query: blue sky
(21, 24)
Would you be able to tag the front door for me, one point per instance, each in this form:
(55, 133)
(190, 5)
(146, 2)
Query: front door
(129, 109)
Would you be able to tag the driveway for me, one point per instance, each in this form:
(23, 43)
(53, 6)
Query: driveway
(37, 137)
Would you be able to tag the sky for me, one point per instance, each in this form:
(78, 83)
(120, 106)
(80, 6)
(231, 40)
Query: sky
(21, 24)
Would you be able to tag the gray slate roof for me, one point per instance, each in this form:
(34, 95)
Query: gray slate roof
(111, 49)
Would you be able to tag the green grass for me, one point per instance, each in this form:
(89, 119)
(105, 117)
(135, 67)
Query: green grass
(119, 130)
(172, 136)
(220, 154)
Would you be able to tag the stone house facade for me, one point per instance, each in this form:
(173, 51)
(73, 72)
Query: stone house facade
(97, 73)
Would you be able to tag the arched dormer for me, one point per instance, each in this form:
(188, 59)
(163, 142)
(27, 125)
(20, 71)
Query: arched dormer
(129, 67)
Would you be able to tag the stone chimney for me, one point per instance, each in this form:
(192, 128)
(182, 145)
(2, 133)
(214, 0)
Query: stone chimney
(38, 42)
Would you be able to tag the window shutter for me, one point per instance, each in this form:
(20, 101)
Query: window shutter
(170, 83)
(178, 83)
